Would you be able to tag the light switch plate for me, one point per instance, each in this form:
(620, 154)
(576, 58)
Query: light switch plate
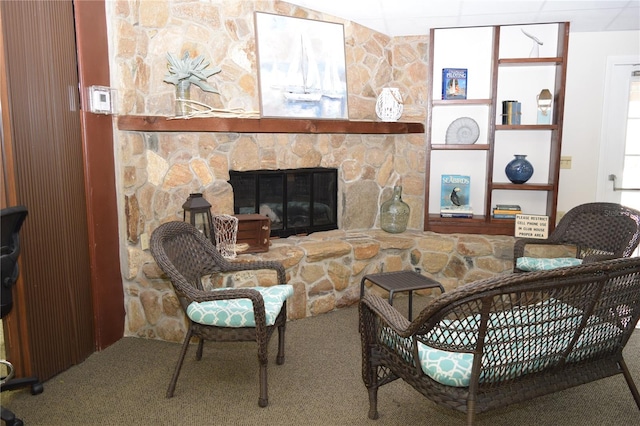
(565, 162)
(101, 99)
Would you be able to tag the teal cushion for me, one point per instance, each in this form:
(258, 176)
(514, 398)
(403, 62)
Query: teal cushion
(520, 332)
(239, 312)
(542, 264)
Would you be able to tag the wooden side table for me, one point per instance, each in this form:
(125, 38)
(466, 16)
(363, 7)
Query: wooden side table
(401, 281)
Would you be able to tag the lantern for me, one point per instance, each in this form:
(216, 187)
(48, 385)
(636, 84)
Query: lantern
(197, 211)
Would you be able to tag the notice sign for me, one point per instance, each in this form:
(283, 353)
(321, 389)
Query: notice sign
(532, 226)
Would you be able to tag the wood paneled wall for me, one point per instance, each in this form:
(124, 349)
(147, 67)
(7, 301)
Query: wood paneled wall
(54, 307)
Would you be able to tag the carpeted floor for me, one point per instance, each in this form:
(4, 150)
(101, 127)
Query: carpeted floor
(319, 384)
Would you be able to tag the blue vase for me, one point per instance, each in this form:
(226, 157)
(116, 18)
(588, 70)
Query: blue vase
(519, 170)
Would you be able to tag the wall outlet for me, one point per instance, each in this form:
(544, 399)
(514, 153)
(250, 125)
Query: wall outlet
(144, 241)
(565, 162)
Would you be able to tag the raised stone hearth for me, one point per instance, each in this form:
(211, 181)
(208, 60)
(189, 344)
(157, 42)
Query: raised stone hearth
(325, 269)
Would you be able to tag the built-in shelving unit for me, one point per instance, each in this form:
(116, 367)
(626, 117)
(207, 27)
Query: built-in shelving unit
(146, 123)
(499, 69)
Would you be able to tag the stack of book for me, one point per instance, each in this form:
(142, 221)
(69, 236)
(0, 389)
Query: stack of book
(456, 211)
(506, 211)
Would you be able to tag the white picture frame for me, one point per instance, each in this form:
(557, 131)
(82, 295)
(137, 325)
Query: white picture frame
(301, 67)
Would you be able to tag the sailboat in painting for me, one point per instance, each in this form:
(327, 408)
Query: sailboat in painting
(332, 87)
(303, 76)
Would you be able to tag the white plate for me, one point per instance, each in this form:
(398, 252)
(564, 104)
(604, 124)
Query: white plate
(463, 130)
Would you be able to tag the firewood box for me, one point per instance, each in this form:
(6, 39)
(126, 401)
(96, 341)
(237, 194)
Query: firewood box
(253, 230)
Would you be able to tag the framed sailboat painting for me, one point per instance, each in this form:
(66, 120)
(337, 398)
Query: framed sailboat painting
(301, 67)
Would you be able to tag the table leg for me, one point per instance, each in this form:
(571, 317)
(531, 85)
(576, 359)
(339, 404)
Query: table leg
(410, 304)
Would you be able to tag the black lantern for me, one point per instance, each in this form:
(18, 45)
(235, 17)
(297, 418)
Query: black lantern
(197, 211)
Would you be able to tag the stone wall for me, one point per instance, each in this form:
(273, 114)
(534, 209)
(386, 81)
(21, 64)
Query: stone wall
(157, 171)
(326, 268)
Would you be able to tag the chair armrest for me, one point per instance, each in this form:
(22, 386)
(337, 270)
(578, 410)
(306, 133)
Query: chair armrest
(193, 294)
(598, 258)
(381, 325)
(387, 313)
(240, 265)
(257, 301)
(521, 243)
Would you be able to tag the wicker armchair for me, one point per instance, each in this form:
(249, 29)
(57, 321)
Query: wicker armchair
(598, 231)
(186, 256)
(506, 339)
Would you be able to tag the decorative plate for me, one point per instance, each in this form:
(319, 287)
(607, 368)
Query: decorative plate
(463, 130)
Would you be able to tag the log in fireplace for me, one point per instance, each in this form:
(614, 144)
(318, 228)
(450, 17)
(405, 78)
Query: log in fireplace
(297, 201)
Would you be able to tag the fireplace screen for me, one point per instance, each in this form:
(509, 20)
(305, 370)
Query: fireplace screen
(297, 201)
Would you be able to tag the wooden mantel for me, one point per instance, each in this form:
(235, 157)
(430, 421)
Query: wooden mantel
(146, 123)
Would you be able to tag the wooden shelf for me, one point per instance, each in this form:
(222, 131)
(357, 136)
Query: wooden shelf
(531, 61)
(146, 123)
(547, 138)
(460, 102)
(526, 127)
(460, 147)
(523, 186)
(475, 225)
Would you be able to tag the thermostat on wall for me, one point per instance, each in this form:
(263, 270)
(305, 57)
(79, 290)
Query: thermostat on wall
(101, 100)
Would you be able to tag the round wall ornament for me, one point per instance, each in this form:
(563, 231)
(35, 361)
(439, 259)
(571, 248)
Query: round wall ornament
(389, 104)
(463, 130)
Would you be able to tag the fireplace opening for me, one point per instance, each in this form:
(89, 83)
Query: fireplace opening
(297, 201)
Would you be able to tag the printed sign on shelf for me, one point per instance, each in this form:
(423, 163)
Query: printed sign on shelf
(532, 226)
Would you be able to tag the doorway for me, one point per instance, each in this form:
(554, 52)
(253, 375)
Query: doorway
(619, 168)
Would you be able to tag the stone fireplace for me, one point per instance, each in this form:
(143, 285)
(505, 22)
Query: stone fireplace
(160, 168)
(297, 201)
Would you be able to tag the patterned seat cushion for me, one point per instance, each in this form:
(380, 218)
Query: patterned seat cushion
(541, 264)
(518, 331)
(239, 312)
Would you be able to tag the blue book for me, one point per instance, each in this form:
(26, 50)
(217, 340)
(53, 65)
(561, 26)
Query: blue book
(504, 216)
(455, 196)
(454, 83)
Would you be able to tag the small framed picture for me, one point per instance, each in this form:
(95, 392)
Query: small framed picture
(301, 67)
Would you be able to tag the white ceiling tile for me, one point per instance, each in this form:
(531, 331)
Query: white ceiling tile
(554, 5)
(626, 21)
(482, 7)
(377, 24)
(420, 8)
(416, 17)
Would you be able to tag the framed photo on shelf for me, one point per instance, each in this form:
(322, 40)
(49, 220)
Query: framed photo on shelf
(301, 67)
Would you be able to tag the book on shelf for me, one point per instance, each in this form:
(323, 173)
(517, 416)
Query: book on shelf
(456, 212)
(454, 83)
(506, 211)
(455, 196)
(507, 207)
(504, 216)
(511, 212)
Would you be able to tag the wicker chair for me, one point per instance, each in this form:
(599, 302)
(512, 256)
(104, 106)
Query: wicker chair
(511, 338)
(186, 256)
(598, 231)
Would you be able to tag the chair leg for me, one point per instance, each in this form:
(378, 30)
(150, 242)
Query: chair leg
(630, 383)
(263, 401)
(470, 413)
(199, 351)
(10, 419)
(373, 403)
(176, 373)
(280, 356)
